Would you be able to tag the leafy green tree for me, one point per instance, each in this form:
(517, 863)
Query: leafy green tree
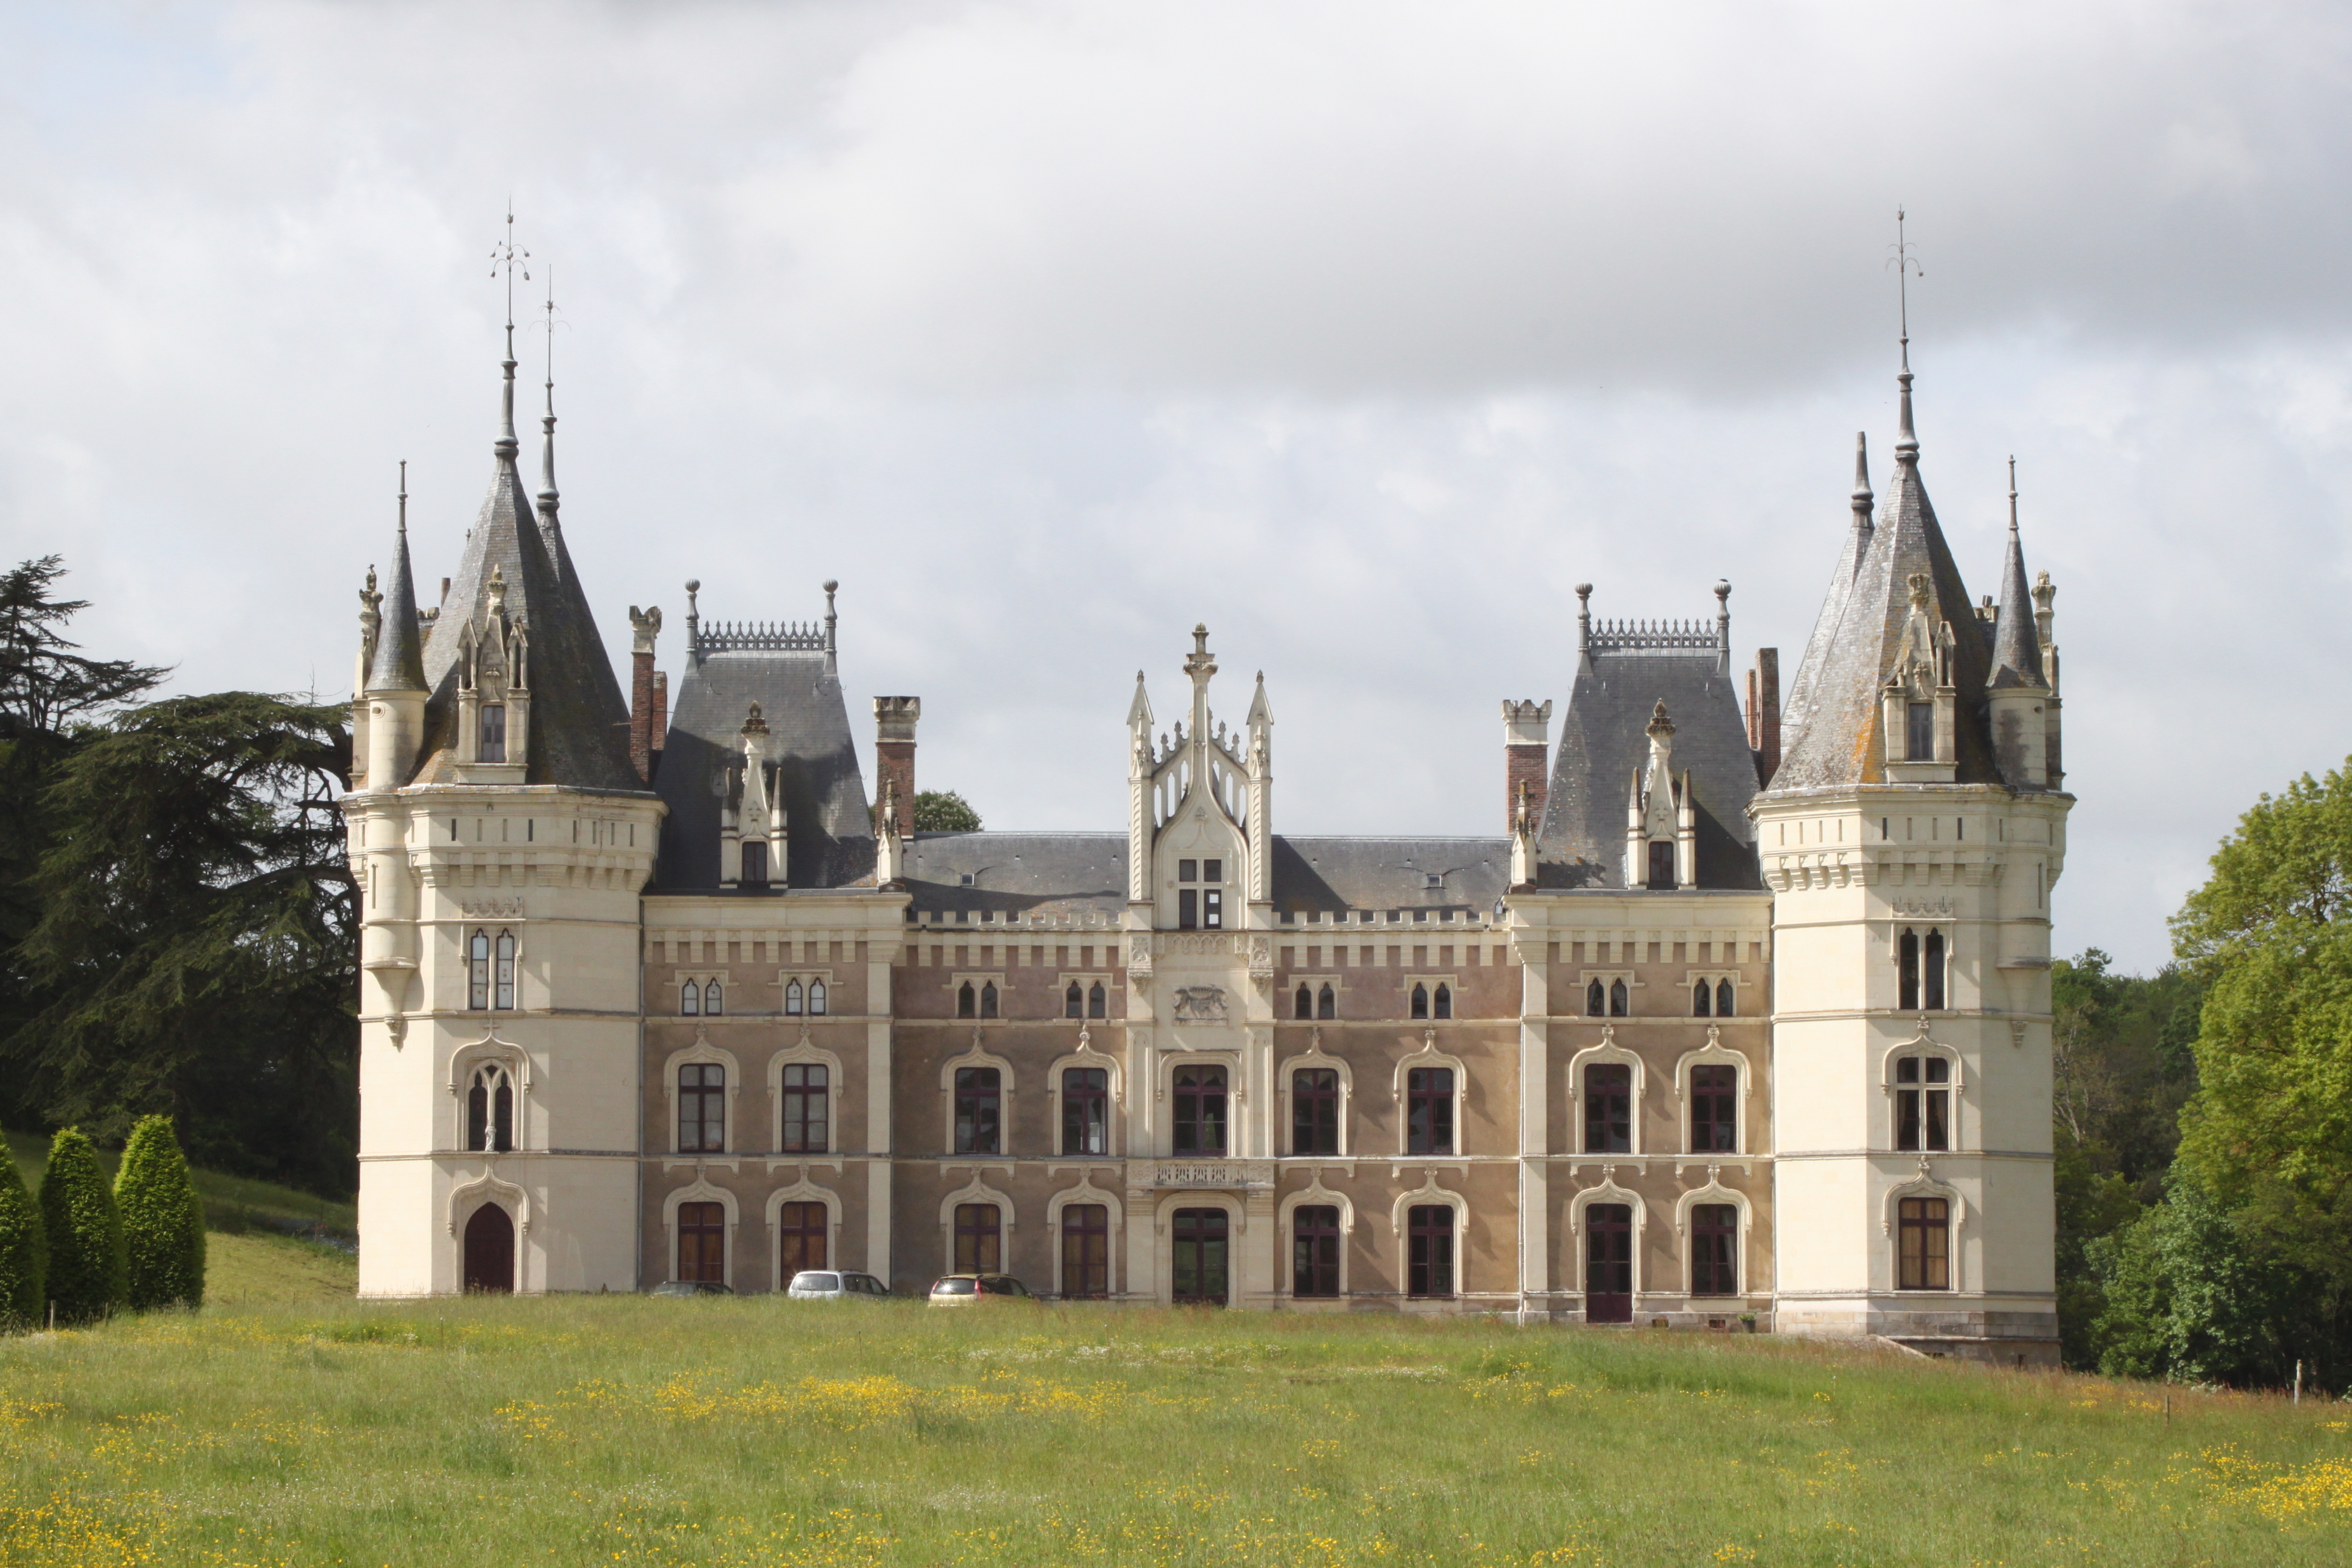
(944, 811)
(23, 1251)
(198, 936)
(2186, 1298)
(163, 1219)
(87, 1277)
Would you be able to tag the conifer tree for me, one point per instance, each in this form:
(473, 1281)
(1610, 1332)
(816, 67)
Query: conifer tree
(87, 1268)
(163, 1219)
(23, 1251)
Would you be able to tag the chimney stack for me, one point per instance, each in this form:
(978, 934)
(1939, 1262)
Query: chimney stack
(1527, 727)
(1764, 714)
(646, 731)
(894, 755)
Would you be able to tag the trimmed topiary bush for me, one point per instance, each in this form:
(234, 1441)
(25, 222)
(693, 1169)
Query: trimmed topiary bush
(163, 1219)
(23, 1251)
(87, 1268)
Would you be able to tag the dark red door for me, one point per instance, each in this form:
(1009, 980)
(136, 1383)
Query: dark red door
(1609, 1264)
(489, 1251)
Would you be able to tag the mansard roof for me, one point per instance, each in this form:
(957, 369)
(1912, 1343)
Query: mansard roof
(579, 721)
(791, 675)
(1623, 670)
(1838, 739)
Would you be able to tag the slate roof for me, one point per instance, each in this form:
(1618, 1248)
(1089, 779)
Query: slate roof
(399, 663)
(1839, 739)
(830, 842)
(1797, 702)
(579, 720)
(1604, 739)
(2016, 637)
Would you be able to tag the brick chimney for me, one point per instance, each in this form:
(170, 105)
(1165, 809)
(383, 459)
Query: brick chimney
(661, 719)
(1764, 714)
(1527, 727)
(894, 754)
(646, 732)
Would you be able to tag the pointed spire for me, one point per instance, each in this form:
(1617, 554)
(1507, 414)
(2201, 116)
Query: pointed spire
(550, 499)
(509, 259)
(1863, 499)
(1261, 712)
(2016, 639)
(399, 664)
(1906, 439)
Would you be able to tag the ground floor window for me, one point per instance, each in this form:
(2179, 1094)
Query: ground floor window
(1429, 1240)
(1715, 1250)
(1925, 1260)
(702, 1243)
(979, 1239)
(1315, 1250)
(1197, 1263)
(1086, 1250)
(1608, 1263)
(799, 1238)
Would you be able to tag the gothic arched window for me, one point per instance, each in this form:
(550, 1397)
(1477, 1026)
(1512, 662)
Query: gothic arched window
(690, 999)
(1304, 1007)
(489, 1111)
(967, 1001)
(1617, 999)
(1702, 1000)
(1444, 1001)
(1906, 971)
(1074, 1001)
(1596, 1000)
(816, 998)
(1420, 1001)
(988, 1000)
(1931, 974)
(1326, 1003)
(506, 971)
(1723, 999)
(1097, 1001)
(477, 971)
(713, 1000)
(792, 998)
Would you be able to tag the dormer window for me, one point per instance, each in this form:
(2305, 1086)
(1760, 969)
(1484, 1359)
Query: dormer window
(1920, 737)
(1202, 907)
(494, 733)
(755, 861)
(1661, 865)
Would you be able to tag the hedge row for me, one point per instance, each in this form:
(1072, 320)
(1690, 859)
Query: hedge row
(83, 1250)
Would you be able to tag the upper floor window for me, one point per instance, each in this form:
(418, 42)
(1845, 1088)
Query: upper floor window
(1429, 1110)
(477, 971)
(1702, 1000)
(1098, 1001)
(792, 998)
(1618, 999)
(1715, 1115)
(1200, 895)
(689, 998)
(1074, 1001)
(503, 974)
(1923, 1110)
(1420, 1001)
(978, 1102)
(1315, 1110)
(1919, 971)
(1924, 1253)
(967, 1001)
(1715, 1250)
(1608, 1108)
(988, 1000)
(1326, 1003)
(1441, 1000)
(1919, 736)
(1086, 1111)
(1661, 865)
(494, 733)
(816, 998)
(806, 1087)
(1724, 998)
(714, 1000)
(1200, 1110)
(755, 863)
(1303, 1006)
(1596, 1000)
(701, 1108)
(489, 1111)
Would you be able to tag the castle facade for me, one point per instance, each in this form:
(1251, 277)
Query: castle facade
(1743, 1018)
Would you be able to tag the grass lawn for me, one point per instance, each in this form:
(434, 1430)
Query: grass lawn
(625, 1431)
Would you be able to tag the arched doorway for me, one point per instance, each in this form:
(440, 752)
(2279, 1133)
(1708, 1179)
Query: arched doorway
(1608, 1263)
(489, 1251)
(1197, 1257)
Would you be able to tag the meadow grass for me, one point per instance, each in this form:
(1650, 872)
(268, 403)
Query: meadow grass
(619, 1430)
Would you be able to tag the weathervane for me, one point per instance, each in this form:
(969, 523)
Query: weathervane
(507, 258)
(1906, 266)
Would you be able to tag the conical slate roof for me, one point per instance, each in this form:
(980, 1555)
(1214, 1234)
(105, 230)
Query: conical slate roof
(579, 720)
(399, 663)
(2016, 639)
(1798, 702)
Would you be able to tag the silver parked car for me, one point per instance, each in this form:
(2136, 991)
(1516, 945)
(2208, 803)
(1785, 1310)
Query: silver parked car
(834, 1285)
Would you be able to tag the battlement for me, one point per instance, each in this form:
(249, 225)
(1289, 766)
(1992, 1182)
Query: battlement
(1655, 637)
(764, 637)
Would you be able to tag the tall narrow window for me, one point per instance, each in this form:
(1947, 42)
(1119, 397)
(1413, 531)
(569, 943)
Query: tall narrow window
(1906, 971)
(1188, 909)
(1596, 1001)
(1442, 1001)
(494, 733)
(489, 1111)
(504, 974)
(807, 1087)
(1922, 1111)
(979, 1239)
(1303, 1004)
(816, 998)
(701, 1108)
(1714, 1109)
(1661, 865)
(1920, 741)
(1723, 999)
(1617, 998)
(1315, 1110)
(1074, 1001)
(702, 1243)
(1429, 1110)
(1702, 1000)
(979, 1103)
(1428, 1238)
(1923, 1255)
(755, 863)
(800, 1238)
(1608, 1263)
(714, 1000)
(1086, 1111)
(477, 971)
(1609, 1109)
(988, 1000)
(1098, 1001)
(1200, 1110)
(967, 1001)
(1931, 973)
(1326, 1003)
(792, 998)
(1420, 1001)
(689, 998)
(1315, 1250)
(1715, 1250)
(1086, 1251)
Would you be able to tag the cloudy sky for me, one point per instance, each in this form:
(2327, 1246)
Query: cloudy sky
(1360, 331)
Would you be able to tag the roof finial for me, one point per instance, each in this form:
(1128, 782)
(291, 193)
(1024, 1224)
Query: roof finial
(2012, 495)
(1862, 496)
(548, 500)
(506, 258)
(832, 642)
(1906, 265)
(403, 500)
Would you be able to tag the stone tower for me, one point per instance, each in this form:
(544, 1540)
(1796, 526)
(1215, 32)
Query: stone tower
(1911, 836)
